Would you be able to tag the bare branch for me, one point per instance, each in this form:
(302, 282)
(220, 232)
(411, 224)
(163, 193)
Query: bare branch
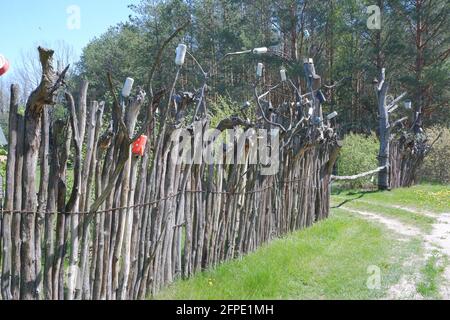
(160, 52)
(396, 100)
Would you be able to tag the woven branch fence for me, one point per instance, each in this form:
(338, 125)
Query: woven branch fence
(130, 225)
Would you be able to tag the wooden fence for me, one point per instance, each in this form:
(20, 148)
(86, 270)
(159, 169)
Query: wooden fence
(126, 225)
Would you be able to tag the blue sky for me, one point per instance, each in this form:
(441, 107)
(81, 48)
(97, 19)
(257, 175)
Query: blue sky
(25, 23)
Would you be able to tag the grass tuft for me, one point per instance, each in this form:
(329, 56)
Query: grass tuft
(432, 274)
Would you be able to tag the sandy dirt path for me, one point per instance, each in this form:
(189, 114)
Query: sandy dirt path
(437, 241)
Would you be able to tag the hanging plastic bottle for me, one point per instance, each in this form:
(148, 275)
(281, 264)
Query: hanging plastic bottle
(283, 75)
(127, 87)
(139, 146)
(261, 50)
(332, 115)
(259, 70)
(181, 54)
(4, 65)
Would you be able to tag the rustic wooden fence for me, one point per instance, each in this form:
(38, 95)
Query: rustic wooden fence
(128, 225)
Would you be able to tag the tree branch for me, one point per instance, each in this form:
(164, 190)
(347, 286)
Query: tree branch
(358, 176)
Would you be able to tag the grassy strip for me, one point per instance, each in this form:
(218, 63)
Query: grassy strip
(431, 275)
(430, 197)
(423, 222)
(327, 261)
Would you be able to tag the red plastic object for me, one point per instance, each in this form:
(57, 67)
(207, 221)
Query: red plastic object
(4, 65)
(139, 146)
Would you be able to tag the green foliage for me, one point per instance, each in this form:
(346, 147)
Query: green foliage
(435, 167)
(4, 124)
(21, 111)
(358, 155)
(222, 108)
(339, 41)
(59, 111)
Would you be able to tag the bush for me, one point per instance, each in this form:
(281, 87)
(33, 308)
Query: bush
(359, 154)
(435, 167)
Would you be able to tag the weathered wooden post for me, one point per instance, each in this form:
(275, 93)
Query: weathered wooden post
(9, 196)
(385, 126)
(43, 95)
(383, 156)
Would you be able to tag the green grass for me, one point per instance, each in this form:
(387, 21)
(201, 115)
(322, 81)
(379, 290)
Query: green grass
(416, 219)
(327, 261)
(330, 260)
(431, 275)
(431, 197)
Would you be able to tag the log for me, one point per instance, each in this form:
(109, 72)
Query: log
(6, 248)
(43, 95)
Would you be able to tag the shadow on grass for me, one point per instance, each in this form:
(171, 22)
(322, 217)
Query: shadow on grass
(359, 194)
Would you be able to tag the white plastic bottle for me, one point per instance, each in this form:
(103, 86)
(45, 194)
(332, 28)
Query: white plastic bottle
(127, 87)
(261, 50)
(260, 69)
(181, 54)
(283, 75)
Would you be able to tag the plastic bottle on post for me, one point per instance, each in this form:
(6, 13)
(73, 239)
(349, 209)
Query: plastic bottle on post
(260, 50)
(283, 75)
(181, 54)
(139, 146)
(259, 70)
(127, 87)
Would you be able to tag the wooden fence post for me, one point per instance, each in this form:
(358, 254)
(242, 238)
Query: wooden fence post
(383, 156)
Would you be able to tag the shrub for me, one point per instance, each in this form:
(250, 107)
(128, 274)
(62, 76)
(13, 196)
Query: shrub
(359, 154)
(435, 167)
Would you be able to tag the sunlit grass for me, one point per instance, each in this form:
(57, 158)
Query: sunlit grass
(431, 276)
(430, 197)
(328, 261)
(419, 220)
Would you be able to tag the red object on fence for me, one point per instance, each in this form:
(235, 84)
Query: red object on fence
(139, 146)
(4, 65)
